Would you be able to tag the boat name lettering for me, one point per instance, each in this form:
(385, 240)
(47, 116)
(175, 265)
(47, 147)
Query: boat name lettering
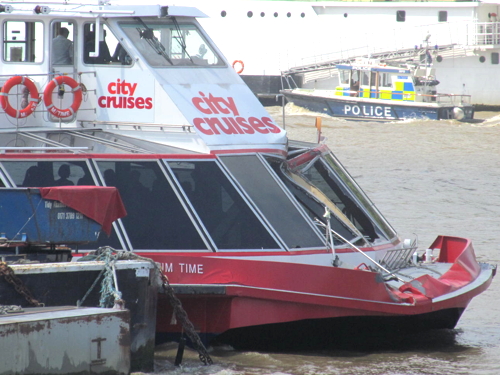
(54, 204)
(377, 111)
(123, 97)
(183, 268)
(122, 88)
(69, 215)
(213, 105)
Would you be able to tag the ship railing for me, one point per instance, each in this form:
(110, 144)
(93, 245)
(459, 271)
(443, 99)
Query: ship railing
(485, 33)
(140, 125)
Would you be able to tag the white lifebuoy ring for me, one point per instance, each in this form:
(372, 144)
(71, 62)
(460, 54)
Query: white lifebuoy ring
(77, 99)
(242, 66)
(33, 102)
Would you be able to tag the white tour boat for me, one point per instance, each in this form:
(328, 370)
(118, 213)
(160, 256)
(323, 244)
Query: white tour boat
(266, 241)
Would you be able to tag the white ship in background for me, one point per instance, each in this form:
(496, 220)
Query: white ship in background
(268, 37)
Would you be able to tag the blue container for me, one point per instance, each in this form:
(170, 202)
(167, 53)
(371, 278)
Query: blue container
(26, 217)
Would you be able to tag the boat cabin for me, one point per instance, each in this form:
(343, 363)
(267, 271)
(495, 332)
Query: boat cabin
(368, 78)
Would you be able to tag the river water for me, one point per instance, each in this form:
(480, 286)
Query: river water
(427, 178)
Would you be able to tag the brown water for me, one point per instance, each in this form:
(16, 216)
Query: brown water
(427, 178)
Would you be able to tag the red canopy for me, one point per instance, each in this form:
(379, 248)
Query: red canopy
(102, 204)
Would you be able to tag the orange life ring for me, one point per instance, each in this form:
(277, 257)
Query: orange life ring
(242, 66)
(77, 99)
(4, 97)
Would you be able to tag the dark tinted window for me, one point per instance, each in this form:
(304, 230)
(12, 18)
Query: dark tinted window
(494, 58)
(272, 201)
(48, 173)
(226, 216)
(443, 16)
(400, 16)
(155, 217)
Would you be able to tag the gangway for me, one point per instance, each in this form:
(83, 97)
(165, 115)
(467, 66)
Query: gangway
(402, 55)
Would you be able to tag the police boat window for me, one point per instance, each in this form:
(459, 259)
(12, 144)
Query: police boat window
(48, 173)
(23, 41)
(156, 219)
(170, 43)
(385, 80)
(344, 76)
(110, 51)
(62, 45)
(225, 215)
(282, 213)
(365, 77)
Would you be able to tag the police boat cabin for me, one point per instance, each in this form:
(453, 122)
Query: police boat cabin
(372, 90)
(139, 97)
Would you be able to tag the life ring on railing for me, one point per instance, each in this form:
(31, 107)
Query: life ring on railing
(33, 92)
(77, 98)
(242, 66)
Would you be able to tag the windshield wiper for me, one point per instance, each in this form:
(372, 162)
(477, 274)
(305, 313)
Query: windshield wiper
(152, 40)
(180, 38)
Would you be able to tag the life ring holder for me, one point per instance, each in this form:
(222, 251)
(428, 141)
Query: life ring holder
(242, 66)
(77, 98)
(33, 92)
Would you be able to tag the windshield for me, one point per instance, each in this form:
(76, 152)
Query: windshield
(166, 43)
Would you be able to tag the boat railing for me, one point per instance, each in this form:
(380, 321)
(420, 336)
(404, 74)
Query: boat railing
(140, 125)
(454, 99)
(397, 259)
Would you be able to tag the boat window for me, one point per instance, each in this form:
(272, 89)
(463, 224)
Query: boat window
(48, 173)
(344, 76)
(336, 182)
(62, 45)
(166, 43)
(155, 217)
(442, 16)
(23, 41)
(400, 16)
(385, 80)
(110, 51)
(228, 219)
(295, 230)
(365, 77)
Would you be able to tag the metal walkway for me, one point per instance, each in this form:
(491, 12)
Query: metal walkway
(402, 56)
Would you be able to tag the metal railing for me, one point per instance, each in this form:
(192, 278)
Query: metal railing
(397, 259)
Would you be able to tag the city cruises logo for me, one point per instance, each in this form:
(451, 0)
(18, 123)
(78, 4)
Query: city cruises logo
(121, 95)
(224, 117)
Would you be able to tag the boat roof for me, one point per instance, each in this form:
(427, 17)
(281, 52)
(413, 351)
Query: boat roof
(100, 8)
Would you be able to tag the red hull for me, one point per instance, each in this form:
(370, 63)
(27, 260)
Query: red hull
(221, 293)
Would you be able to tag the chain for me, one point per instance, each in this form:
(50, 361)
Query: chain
(179, 311)
(181, 314)
(19, 286)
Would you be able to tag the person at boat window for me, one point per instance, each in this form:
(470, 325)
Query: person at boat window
(104, 56)
(63, 173)
(62, 48)
(355, 88)
(33, 177)
(121, 56)
(110, 177)
(86, 179)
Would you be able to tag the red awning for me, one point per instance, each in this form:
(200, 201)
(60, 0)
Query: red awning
(102, 204)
